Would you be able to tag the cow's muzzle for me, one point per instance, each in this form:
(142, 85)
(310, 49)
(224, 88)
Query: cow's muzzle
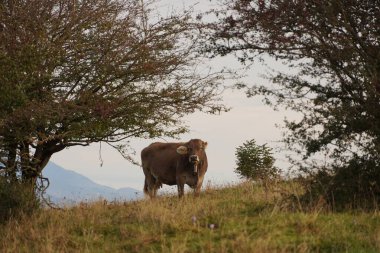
(194, 159)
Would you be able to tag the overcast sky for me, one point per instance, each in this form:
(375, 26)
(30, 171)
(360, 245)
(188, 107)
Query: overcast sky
(248, 119)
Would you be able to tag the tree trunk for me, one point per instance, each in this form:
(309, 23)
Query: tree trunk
(28, 171)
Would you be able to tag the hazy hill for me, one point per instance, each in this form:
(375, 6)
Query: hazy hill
(69, 186)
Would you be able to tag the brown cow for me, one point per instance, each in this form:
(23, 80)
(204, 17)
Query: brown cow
(174, 164)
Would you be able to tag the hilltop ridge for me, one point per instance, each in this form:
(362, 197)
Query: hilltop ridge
(240, 218)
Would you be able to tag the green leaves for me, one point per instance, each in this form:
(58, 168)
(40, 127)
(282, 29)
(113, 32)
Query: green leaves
(78, 72)
(255, 161)
(333, 51)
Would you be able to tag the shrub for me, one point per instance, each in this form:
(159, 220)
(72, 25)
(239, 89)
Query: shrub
(353, 186)
(16, 199)
(255, 161)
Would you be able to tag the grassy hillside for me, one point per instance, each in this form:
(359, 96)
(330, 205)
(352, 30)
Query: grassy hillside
(233, 219)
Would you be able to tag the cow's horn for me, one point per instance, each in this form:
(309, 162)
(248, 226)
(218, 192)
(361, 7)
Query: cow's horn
(182, 150)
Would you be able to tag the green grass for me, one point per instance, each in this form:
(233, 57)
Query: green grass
(246, 219)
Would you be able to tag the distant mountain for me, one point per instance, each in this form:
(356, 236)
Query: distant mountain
(69, 187)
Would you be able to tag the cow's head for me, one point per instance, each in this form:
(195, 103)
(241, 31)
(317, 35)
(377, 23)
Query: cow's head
(194, 150)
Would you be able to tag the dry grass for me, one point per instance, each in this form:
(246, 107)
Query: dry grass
(244, 219)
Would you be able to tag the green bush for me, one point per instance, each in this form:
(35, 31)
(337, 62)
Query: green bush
(255, 161)
(16, 199)
(353, 186)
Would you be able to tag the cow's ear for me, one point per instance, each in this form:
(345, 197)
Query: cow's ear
(182, 150)
(205, 145)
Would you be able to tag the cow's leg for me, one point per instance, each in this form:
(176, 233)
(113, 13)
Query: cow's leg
(197, 189)
(146, 189)
(181, 186)
(150, 185)
(181, 190)
(156, 186)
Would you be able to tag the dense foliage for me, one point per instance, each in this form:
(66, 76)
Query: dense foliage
(333, 50)
(78, 72)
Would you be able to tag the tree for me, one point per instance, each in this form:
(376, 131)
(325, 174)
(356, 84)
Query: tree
(84, 71)
(255, 161)
(335, 48)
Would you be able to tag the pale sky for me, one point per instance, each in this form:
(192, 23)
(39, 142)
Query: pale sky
(248, 119)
